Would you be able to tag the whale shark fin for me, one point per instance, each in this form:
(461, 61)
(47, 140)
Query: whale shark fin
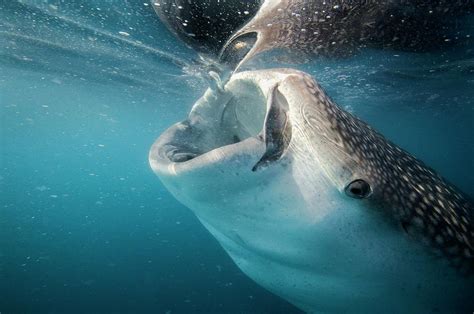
(277, 129)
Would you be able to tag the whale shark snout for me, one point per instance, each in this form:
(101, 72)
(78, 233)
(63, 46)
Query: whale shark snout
(315, 205)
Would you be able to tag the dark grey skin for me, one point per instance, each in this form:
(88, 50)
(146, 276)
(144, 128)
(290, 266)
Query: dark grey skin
(340, 27)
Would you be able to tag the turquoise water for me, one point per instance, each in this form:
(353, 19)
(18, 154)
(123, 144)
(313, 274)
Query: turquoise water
(85, 89)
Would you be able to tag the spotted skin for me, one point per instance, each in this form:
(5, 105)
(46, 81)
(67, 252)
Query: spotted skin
(414, 196)
(294, 225)
(340, 28)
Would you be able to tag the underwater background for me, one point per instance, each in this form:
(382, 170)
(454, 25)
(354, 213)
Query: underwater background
(86, 86)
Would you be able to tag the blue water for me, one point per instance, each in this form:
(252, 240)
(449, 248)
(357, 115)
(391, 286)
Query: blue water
(87, 86)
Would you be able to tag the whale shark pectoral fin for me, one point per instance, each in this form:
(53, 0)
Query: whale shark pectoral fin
(277, 129)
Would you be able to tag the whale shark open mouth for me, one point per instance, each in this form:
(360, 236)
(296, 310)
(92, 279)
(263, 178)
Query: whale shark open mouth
(222, 119)
(230, 118)
(241, 119)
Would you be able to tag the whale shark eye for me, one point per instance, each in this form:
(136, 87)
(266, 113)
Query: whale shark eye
(358, 189)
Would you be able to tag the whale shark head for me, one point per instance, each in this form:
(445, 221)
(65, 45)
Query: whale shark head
(311, 202)
(243, 136)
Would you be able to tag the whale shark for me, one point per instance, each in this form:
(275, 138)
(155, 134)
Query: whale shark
(330, 28)
(314, 204)
(341, 28)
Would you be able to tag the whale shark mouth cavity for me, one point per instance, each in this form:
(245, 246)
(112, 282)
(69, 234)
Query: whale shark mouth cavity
(217, 122)
(247, 115)
(242, 117)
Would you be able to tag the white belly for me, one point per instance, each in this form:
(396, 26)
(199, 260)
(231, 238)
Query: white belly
(344, 258)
